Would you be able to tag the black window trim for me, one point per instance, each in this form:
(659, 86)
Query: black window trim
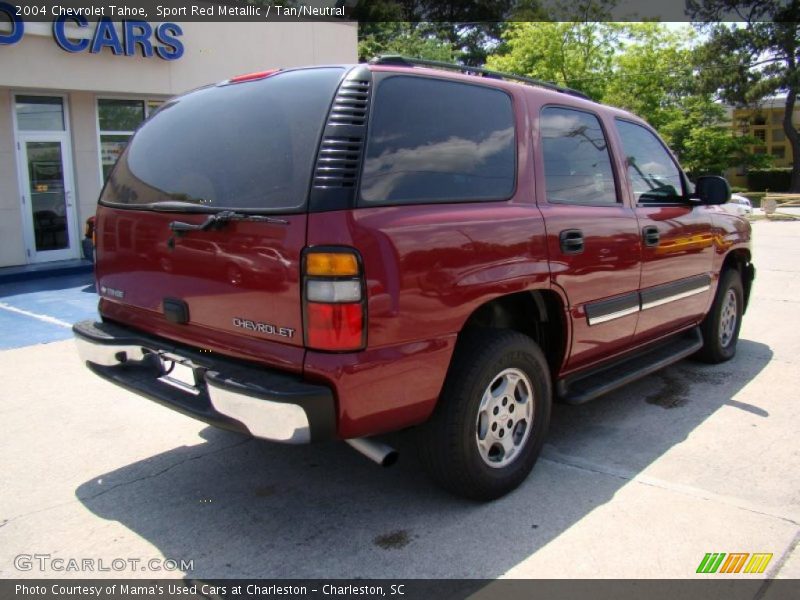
(378, 77)
(684, 179)
(611, 157)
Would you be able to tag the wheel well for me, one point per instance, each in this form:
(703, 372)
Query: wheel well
(740, 261)
(538, 314)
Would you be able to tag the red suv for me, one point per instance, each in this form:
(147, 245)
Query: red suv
(344, 251)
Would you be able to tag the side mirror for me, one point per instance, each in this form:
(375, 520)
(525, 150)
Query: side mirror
(711, 189)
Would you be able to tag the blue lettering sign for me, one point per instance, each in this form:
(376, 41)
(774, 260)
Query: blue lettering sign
(167, 34)
(17, 26)
(60, 34)
(137, 33)
(105, 36)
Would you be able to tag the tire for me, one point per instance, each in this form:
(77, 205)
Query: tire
(468, 447)
(721, 325)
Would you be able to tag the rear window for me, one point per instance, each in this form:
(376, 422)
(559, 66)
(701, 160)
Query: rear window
(438, 141)
(246, 146)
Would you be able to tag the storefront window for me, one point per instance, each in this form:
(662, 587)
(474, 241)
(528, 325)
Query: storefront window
(118, 118)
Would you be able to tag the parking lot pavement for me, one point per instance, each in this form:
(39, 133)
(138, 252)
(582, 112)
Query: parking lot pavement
(43, 310)
(641, 483)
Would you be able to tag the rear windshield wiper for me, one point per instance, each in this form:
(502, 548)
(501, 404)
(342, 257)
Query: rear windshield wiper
(219, 219)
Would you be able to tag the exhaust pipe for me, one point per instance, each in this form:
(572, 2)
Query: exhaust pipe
(379, 452)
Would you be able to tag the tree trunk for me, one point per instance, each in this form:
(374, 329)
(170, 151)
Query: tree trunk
(794, 138)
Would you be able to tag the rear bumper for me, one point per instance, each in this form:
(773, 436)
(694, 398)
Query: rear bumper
(234, 395)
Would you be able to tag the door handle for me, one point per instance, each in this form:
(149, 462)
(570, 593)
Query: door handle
(650, 236)
(571, 241)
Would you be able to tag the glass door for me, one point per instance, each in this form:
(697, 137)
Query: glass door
(47, 192)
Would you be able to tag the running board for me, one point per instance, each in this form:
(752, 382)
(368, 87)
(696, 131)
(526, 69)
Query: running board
(582, 387)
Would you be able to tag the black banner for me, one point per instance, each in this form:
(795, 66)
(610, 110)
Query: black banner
(455, 11)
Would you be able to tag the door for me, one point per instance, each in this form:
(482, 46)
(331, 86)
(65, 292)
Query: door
(677, 244)
(592, 236)
(45, 174)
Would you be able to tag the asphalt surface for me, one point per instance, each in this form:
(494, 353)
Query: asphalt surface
(641, 483)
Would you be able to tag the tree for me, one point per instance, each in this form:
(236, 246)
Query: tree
(579, 55)
(641, 67)
(469, 28)
(654, 77)
(753, 60)
(399, 37)
(698, 131)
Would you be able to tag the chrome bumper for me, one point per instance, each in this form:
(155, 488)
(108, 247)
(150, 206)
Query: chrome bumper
(268, 404)
(276, 421)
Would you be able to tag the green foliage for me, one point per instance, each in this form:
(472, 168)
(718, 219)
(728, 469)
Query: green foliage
(641, 67)
(575, 54)
(746, 63)
(426, 27)
(402, 38)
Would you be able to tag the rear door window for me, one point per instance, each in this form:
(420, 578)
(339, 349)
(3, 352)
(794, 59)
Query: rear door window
(653, 174)
(248, 145)
(438, 141)
(577, 165)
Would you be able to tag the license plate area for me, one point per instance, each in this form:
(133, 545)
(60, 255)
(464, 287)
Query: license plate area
(181, 373)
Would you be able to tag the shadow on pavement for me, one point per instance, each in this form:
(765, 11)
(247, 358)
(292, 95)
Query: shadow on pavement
(243, 508)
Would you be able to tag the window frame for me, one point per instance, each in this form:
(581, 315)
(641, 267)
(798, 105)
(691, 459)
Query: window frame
(378, 79)
(145, 100)
(620, 202)
(686, 185)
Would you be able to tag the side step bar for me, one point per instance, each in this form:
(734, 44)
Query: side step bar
(582, 387)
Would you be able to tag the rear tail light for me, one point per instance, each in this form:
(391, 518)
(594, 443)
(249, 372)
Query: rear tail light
(334, 303)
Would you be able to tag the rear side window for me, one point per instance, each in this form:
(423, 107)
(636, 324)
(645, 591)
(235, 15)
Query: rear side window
(247, 146)
(438, 141)
(651, 170)
(577, 165)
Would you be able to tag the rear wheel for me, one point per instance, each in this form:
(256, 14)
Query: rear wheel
(492, 417)
(721, 326)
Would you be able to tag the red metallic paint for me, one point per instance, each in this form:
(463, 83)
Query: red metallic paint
(249, 270)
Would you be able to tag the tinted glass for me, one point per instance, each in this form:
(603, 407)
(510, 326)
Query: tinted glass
(48, 198)
(652, 172)
(249, 145)
(40, 113)
(120, 115)
(438, 141)
(577, 165)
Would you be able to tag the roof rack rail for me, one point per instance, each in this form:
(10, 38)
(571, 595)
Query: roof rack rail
(404, 61)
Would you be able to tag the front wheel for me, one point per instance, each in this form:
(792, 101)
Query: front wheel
(491, 420)
(721, 325)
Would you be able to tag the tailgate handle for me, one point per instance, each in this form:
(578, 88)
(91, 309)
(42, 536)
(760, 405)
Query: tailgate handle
(176, 311)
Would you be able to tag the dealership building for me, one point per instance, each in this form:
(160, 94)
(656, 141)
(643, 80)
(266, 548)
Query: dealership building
(72, 93)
